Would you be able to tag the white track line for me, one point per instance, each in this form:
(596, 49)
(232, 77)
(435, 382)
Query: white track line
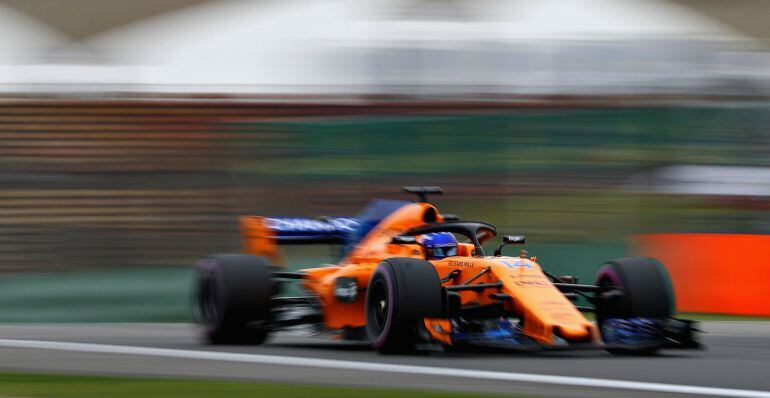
(381, 367)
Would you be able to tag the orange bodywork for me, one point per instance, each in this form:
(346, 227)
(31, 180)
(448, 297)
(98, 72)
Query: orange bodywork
(544, 309)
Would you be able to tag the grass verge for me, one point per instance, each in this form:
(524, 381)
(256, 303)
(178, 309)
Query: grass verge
(70, 386)
(722, 317)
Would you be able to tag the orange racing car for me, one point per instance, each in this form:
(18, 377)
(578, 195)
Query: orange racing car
(405, 281)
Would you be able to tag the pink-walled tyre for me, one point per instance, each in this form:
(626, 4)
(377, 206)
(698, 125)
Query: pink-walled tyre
(232, 298)
(401, 293)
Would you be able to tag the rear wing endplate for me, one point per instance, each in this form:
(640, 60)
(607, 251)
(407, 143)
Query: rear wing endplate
(263, 235)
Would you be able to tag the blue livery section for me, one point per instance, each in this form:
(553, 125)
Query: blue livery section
(501, 333)
(374, 212)
(311, 230)
(633, 331)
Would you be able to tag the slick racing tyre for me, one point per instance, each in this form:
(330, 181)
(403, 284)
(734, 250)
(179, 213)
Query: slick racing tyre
(232, 296)
(644, 292)
(401, 293)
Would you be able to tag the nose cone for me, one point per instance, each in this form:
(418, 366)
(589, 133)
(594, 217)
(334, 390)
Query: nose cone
(575, 332)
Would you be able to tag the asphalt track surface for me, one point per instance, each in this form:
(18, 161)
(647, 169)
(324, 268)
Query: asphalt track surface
(737, 361)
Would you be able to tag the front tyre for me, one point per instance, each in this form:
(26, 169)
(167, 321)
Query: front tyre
(232, 295)
(644, 296)
(401, 293)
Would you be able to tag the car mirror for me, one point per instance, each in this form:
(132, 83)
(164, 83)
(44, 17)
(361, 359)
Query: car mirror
(514, 240)
(509, 240)
(403, 239)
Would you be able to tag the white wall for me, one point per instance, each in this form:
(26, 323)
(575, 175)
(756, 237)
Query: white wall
(391, 46)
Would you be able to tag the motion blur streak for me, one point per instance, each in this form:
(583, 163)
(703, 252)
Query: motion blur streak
(383, 367)
(99, 183)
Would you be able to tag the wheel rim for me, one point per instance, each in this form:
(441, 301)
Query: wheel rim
(609, 278)
(378, 305)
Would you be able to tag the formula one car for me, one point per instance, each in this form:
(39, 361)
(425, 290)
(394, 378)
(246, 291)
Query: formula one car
(405, 282)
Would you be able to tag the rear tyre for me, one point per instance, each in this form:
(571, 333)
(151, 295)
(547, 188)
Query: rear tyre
(402, 292)
(232, 295)
(646, 293)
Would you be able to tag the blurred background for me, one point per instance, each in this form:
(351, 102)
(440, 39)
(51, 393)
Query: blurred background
(132, 134)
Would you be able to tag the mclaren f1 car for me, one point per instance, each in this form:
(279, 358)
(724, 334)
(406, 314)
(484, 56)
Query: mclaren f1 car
(410, 277)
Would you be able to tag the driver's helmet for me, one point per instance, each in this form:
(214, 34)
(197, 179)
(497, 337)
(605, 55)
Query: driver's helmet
(439, 245)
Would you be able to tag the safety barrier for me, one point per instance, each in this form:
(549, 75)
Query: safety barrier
(714, 273)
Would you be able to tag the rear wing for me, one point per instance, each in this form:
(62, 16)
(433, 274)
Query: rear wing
(262, 235)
